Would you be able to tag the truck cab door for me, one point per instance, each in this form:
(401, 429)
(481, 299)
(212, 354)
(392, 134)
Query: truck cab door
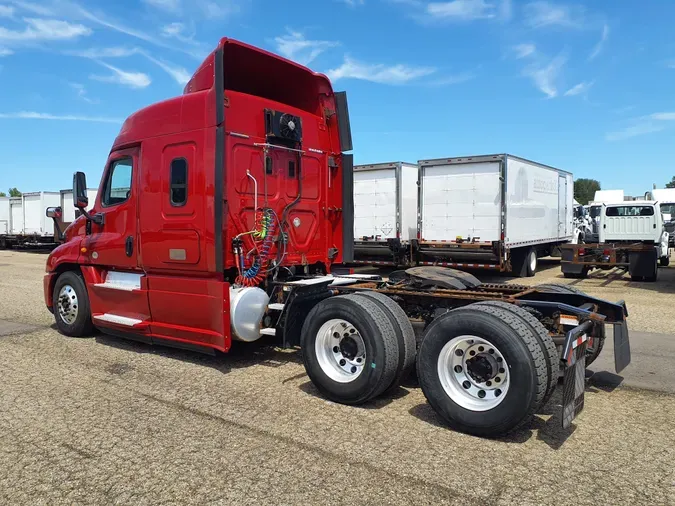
(114, 243)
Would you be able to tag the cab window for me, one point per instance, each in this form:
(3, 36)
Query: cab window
(118, 183)
(178, 182)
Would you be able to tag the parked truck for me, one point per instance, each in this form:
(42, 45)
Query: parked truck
(495, 212)
(385, 213)
(631, 236)
(666, 200)
(23, 221)
(219, 213)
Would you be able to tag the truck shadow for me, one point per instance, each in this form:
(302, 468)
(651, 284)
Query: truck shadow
(241, 355)
(546, 426)
(618, 278)
(380, 402)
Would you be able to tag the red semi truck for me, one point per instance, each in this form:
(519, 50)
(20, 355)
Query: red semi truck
(218, 217)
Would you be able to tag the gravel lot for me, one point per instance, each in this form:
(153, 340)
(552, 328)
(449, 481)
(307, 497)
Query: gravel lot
(100, 420)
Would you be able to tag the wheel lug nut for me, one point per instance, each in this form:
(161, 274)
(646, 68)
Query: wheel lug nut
(491, 351)
(359, 360)
(480, 348)
(499, 359)
(488, 383)
(458, 368)
(502, 370)
(472, 353)
(336, 349)
(466, 384)
(336, 335)
(498, 379)
(481, 393)
(342, 361)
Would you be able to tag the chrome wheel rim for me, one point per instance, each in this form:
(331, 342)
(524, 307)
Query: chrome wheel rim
(340, 350)
(533, 261)
(473, 373)
(67, 304)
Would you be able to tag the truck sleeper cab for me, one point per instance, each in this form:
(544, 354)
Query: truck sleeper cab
(219, 213)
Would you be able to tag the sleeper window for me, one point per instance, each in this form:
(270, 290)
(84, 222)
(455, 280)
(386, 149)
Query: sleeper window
(178, 183)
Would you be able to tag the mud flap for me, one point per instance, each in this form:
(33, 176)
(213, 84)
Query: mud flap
(621, 347)
(574, 381)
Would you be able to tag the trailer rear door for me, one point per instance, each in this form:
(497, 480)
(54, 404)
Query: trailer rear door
(16, 215)
(375, 203)
(461, 200)
(562, 206)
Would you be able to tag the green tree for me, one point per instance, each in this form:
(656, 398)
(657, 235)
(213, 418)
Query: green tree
(3, 194)
(14, 192)
(584, 190)
(671, 184)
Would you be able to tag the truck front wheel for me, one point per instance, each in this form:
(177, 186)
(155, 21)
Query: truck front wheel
(350, 349)
(71, 305)
(483, 370)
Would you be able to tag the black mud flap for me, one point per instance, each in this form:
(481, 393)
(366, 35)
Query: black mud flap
(574, 382)
(621, 347)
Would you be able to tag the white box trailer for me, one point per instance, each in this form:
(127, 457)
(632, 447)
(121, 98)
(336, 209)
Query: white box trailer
(385, 212)
(36, 222)
(496, 212)
(16, 220)
(68, 206)
(4, 216)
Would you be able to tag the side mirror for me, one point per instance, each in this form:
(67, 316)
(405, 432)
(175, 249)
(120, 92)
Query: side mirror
(80, 198)
(54, 213)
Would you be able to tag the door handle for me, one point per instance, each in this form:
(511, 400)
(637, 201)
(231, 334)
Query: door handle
(129, 246)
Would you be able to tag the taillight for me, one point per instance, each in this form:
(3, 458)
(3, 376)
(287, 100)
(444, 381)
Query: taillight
(606, 252)
(582, 251)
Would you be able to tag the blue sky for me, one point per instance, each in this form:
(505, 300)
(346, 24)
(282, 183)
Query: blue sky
(587, 87)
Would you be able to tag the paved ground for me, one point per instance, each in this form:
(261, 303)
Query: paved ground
(100, 420)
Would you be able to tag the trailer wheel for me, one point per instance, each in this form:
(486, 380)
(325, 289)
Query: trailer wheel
(349, 349)
(545, 342)
(482, 369)
(71, 305)
(524, 262)
(405, 334)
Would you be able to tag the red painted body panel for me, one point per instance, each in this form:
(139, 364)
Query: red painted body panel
(183, 294)
(48, 288)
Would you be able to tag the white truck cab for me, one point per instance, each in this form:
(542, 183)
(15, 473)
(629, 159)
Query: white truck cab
(636, 221)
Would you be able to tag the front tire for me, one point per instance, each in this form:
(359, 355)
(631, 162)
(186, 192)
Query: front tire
(71, 305)
(349, 349)
(467, 402)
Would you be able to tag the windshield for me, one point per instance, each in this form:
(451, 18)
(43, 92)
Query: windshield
(595, 211)
(668, 208)
(630, 211)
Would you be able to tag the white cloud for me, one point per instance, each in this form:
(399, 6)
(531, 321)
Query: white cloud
(82, 93)
(353, 3)
(663, 116)
(40, 10)
(524, 50)
(5, 52)
(56, 117)
(173, 29)
(295, 47)
(598, 47)
(461, 10)
(220, 9)
(37, 29)
(541, 14)
(506, 10)
(132, 79)
(641, 126)
(104, 52)
(6, 11)
(545, 76)
(579, 89)
(170, 6)
(378, 72)
(179, 74)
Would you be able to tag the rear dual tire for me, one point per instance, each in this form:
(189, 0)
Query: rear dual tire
(524, 262)
(351, 348)
(504, 332)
